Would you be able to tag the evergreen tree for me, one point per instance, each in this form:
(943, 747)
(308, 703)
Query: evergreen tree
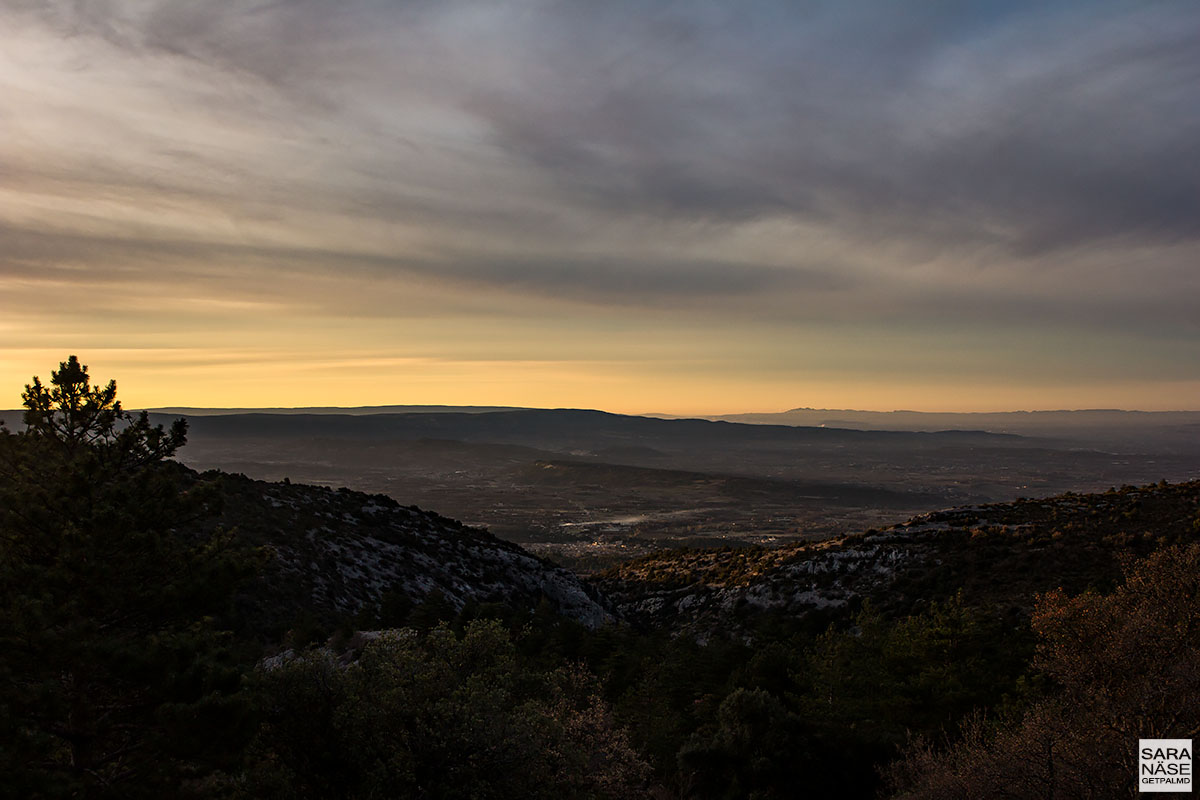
(113, 680)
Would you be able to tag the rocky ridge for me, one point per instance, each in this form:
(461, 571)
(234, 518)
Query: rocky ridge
(340, 553)
(999, 554)
(336, 553)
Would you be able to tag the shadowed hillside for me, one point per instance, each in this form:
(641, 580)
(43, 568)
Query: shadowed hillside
(590, 488)
(998, 555)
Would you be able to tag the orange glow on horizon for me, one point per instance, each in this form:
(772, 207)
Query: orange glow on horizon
(153, 379)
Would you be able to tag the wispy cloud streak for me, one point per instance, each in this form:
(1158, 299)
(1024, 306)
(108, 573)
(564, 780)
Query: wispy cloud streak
(778, 163)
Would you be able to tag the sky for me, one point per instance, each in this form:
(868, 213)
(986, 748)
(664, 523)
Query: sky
(674, 207)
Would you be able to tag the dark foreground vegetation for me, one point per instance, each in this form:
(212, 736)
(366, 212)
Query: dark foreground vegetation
(133, 663)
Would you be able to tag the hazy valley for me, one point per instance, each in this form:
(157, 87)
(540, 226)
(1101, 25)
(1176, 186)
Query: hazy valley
(591, 489)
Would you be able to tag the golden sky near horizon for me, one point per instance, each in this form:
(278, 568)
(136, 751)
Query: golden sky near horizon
(644, 207)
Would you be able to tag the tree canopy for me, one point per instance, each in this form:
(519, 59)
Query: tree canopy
(1125, 666)
(114, 677)
(438, 715)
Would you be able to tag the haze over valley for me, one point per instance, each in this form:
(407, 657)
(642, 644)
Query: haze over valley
(590, 488)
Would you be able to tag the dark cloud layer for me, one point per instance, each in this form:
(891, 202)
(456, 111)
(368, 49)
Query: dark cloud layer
(1034, 128)
(1084, 113)
(1011, 163)
(1047, 132)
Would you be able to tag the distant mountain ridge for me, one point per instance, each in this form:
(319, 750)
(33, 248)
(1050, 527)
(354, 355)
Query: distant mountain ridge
(979, 420)
(1174, 429)
(344, 410)
(899, 419)
(542, 427)
(1176, 432)
(1080, 422)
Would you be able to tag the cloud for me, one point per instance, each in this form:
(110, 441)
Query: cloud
(224, 271)
(776, 162)
(1047, 132)
(1033, 131)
